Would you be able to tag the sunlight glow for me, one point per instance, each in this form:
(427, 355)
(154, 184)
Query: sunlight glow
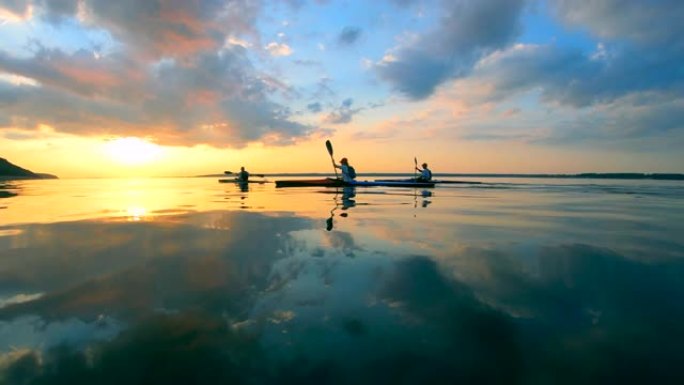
(135, 214)
(132, 151)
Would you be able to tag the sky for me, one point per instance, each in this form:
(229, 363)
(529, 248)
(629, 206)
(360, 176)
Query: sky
(186, 87)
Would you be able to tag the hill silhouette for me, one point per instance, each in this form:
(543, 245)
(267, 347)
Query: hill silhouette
(12, 171)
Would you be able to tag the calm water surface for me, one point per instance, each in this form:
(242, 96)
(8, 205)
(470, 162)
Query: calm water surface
(190, 281)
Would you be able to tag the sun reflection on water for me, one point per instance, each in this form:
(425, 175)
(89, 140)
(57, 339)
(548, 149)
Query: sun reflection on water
(136, 213)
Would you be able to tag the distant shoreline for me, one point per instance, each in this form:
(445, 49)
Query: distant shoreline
(28, 177)
(10, 171)
(627, 175)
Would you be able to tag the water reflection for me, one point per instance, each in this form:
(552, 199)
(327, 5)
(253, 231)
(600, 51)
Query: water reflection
(246, 297)
(425, 194)
(237, 190)
(347, 200)
(243, 186)
(8, 189)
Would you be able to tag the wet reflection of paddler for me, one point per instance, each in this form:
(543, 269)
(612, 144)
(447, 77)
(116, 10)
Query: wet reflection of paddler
(426, 194)
(348, 195)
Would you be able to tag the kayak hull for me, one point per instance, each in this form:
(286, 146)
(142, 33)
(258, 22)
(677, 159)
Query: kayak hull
(330, 182)
(432, 181)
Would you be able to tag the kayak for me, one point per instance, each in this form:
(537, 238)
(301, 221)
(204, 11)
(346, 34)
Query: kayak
(241, 181)
(432, 181)
(331, 182)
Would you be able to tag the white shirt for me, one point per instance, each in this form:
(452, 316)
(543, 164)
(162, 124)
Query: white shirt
(345, 172)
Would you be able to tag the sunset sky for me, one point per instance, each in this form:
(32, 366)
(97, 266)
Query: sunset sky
(187, 87)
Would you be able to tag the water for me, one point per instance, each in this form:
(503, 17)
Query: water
(513, 281)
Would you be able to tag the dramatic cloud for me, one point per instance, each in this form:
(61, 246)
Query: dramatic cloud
(170, 72)
(154, 28)
(214, 98)
(467, 31)
(629, 86)
(79, 73)
(171, 27)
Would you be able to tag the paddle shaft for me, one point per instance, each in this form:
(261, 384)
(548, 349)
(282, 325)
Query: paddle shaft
(415, 168)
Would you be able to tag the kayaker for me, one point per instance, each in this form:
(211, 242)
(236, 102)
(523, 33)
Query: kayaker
(425, 173)
(348, 172)
(243, 175)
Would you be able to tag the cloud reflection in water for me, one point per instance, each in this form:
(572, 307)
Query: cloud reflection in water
(244, 297)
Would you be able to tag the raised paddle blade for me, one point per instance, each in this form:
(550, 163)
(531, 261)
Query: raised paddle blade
(328, 145)
(227, 172)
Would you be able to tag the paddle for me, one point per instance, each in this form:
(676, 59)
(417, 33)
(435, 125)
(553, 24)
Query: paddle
(415, 167)
(328, 145)
(259, 175)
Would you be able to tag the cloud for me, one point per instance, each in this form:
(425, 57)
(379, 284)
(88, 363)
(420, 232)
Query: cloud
(343, 114)
(314, 107)
(79, 73)
(630, 19)
(324, 88)
(638, 119)
(218, 99)
(349, 36)
(18, 8)
(628, 90)
(155, 29)
(570, 77)
(467, 31)
(278, 49)
(55, 11)
(170, 72)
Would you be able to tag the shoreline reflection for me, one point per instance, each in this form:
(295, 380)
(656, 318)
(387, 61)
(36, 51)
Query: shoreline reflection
(8, 189)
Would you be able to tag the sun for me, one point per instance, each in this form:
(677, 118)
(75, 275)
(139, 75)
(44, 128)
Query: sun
(132, 150)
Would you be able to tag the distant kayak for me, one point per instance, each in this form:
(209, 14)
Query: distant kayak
(331, 182)
(435, 181)
(233, 180)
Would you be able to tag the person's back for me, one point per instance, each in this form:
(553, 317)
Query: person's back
(243, 176)
(346, 175)
(425, 174)
(348, 172)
